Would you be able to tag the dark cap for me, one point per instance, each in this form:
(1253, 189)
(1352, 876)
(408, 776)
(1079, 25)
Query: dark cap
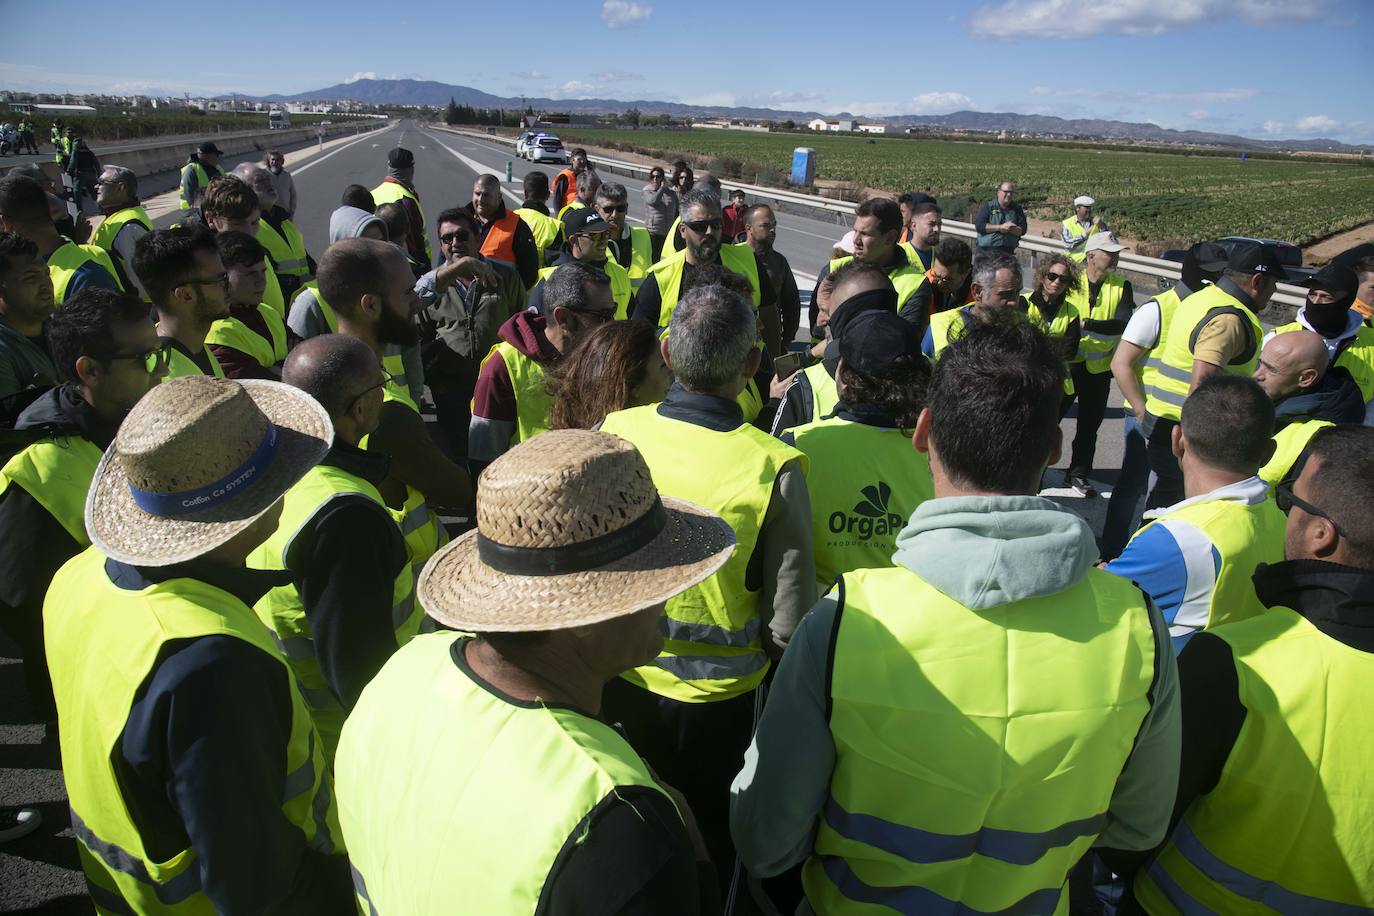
(583, 220)
(1255, 259)
(400, 158)
(209, 147)
(882, 300)
(1209, 256)
(1334, 279)
(875, 341)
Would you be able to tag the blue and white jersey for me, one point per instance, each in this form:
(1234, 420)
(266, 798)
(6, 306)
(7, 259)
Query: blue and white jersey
(1176, 563)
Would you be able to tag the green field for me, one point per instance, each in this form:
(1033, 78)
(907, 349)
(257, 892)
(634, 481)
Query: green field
(1157, 197)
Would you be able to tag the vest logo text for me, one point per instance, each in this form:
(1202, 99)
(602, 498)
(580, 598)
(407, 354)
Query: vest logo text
(870, 516)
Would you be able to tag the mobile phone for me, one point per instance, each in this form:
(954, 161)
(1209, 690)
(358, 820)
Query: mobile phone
(786, 364)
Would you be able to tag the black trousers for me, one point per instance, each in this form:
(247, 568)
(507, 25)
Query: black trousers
(698, 748)
(1091, 389)
(1168, 487)
(656, 244)
(453, 411)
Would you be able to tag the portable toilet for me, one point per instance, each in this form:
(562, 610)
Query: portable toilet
(803, 166)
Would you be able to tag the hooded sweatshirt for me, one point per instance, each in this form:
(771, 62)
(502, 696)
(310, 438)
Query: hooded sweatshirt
(1336, 398)
(982, 551)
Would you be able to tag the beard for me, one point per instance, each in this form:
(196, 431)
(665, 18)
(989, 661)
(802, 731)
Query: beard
(394, 329)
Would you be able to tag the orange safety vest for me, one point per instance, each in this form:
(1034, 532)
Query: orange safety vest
(499, 243)
(569, 195)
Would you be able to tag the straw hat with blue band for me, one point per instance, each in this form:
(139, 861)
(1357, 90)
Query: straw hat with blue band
(570, 532)
(196, 461)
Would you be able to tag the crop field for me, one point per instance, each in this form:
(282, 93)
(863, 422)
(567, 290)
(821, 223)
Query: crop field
(1149, 196)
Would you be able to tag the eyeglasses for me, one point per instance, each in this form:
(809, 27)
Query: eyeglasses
(701, 226)
(387, 379)
(1056, 278)
(1285, 500)
(152, 360)
(618, 208)
(460, 235)
(220, 280)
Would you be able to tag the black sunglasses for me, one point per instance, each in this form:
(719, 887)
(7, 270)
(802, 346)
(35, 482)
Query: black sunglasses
(699, 226)
(1285, 500)
(1061, 278)
(461, 235)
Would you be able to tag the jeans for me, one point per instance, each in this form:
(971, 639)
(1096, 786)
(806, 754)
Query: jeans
(1092, 390)
(1168, 488)
(1125, 506)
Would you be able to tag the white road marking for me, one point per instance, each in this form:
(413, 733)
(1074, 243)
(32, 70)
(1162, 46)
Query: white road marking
(315, 162)
(477, 167)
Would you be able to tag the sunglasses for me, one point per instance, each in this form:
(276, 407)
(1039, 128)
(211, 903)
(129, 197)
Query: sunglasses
(461, 235)
(1057, 278)
(1285, 500)
(152, 360)
(618, 208)
(593, 237)
(701, 226)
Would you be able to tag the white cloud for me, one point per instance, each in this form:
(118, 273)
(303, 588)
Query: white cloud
(573, 89)
(923, 104)
(616, 76)
(362, 75)
(531, 75)
(1201, 97)
(1316, 124)
(1068, 18)
(619, 14)
(1274, 128)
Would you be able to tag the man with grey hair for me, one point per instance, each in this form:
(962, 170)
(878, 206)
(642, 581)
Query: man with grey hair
(701, 230)
(630, 245)
(124, 224)
(708, 183)
(692, 711)
(276, 232)
(996, 294)
(510, 402)
(275, 163)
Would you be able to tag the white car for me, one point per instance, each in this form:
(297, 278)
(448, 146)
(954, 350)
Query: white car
(522, 142)
(546, 148)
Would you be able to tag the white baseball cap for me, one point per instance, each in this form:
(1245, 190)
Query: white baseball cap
(1083, 201)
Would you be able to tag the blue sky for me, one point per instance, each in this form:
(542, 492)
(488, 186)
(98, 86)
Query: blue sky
(1261, 68)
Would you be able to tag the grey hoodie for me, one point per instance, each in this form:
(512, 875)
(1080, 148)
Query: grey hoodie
(982, 551)
(349, 223)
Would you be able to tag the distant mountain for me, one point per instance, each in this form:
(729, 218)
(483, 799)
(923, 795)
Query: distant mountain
(432, 93)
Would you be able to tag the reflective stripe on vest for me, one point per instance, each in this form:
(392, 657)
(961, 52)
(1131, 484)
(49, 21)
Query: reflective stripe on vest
(712, 649)
(68, 259)
(1289, 444)
(498, 239)
(1095, 348)
(103, 642)
(105, 234)
(1173, 376)
(925, 815)
(285, 258)
(234, 333)
(865, 482)
(517, 820)
(1154, 364)
(1296, 776)
(392, 191)
(533, 402)
(57, 474)
(621, 287)
(668, 273)
(281, 608)
(906, 279)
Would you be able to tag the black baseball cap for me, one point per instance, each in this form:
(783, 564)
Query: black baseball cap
(883, 300)
(1334, 279)
(1256, 259)
(874, 341)
(583, 221)
(400, 158)
(209, 147)
(1209, 256)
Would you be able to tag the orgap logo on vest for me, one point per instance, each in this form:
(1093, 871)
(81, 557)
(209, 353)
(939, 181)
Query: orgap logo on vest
(869, 518)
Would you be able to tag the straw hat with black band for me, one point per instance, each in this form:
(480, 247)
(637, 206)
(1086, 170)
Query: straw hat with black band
(198, 460)
(570, 532)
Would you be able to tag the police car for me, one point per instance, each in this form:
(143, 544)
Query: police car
(546, 148)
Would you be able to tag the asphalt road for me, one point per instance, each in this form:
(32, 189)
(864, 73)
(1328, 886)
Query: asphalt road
(40, 873)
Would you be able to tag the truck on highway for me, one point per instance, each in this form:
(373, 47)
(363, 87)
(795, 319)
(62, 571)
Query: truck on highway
(278, 118)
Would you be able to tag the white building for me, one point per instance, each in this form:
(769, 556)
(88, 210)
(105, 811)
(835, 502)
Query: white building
(873, 128)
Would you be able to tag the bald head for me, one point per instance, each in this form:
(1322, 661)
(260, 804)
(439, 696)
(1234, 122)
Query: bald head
(333, 369)
(260, 180)
(1292, 363)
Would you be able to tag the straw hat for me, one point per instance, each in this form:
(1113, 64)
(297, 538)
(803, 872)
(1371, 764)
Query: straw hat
(196, 461)
(570, 531)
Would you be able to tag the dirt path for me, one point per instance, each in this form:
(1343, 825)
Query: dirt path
(1318, 254)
